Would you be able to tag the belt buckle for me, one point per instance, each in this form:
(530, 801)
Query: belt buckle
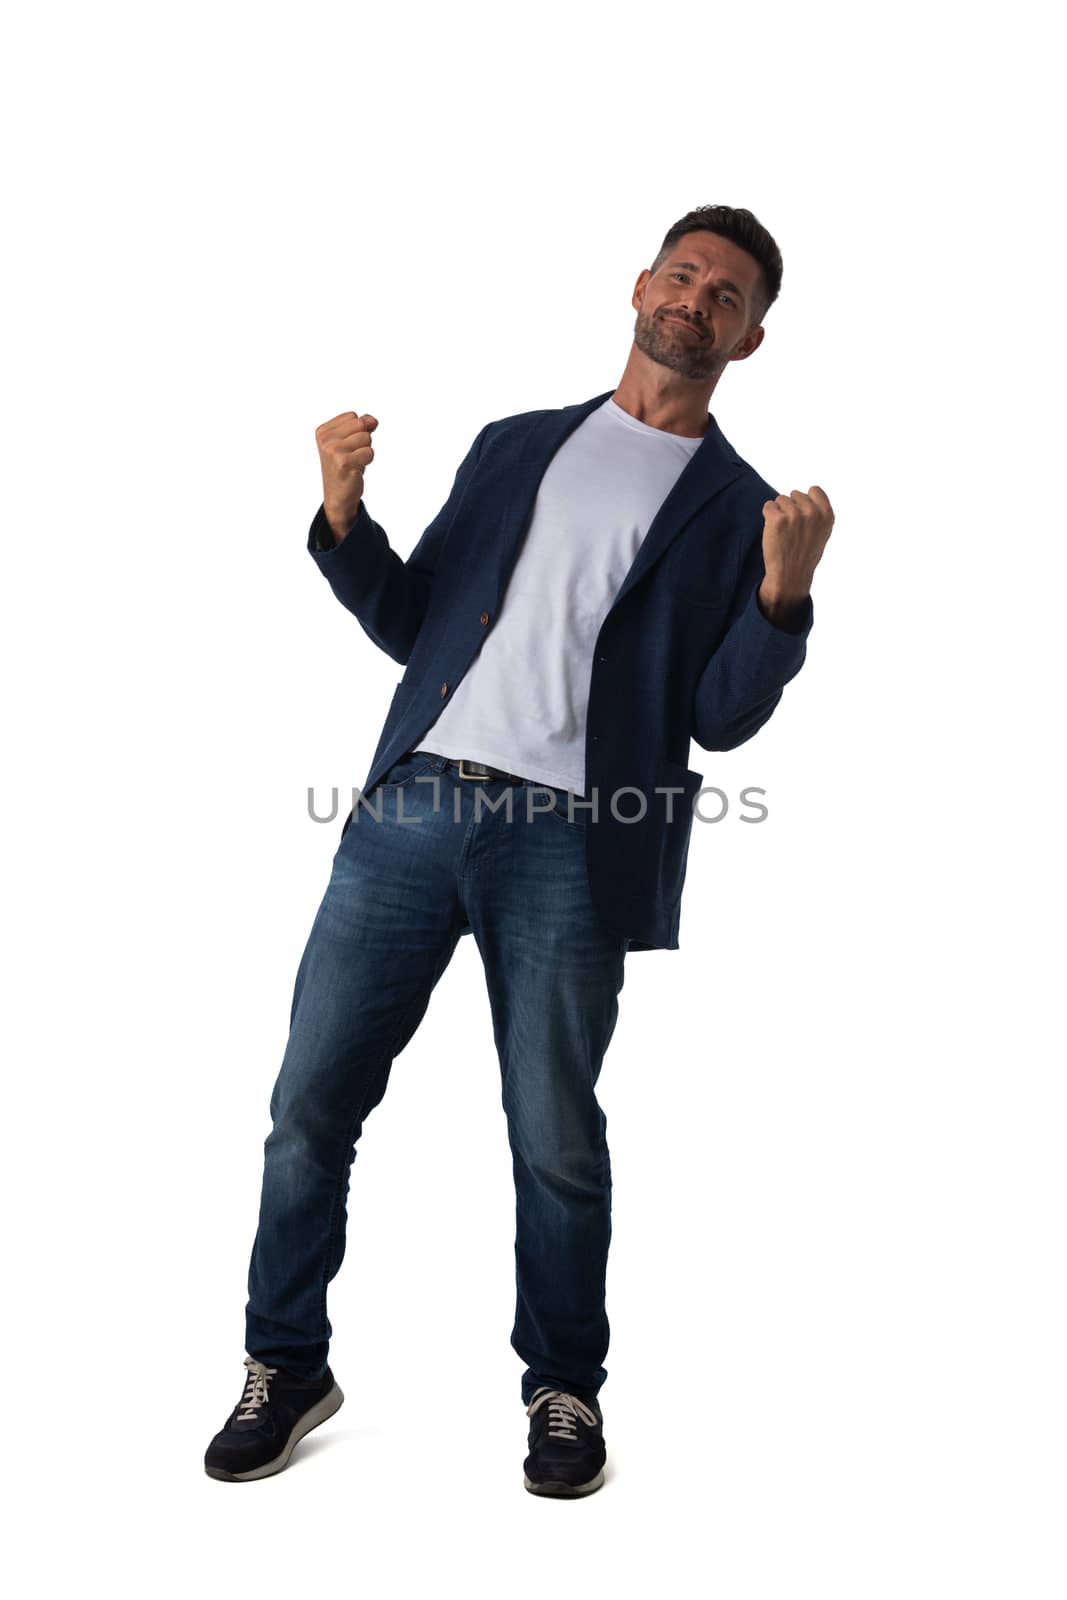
(479, 777)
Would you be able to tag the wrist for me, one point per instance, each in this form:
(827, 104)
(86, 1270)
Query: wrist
(338, 522)
(782, 606)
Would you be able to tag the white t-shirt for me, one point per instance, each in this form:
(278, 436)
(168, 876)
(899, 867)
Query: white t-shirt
(522, 703)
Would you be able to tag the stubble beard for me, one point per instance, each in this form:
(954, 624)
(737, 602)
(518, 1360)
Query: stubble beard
(692, 358)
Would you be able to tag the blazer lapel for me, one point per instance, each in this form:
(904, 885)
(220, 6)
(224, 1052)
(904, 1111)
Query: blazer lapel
(711, 468)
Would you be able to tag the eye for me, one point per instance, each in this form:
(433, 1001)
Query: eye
(728, 298)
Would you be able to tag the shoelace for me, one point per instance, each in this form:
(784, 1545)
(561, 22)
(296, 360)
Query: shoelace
(256, 1389)
(564, 1411)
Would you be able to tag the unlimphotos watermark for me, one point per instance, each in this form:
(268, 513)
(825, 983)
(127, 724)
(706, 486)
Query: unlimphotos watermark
(538, 799)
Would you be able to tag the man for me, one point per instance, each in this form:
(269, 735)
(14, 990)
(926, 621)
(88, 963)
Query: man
(596, 592)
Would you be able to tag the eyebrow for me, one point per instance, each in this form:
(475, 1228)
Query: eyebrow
(723, 283)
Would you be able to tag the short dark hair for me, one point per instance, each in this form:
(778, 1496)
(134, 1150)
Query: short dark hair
(744, 230)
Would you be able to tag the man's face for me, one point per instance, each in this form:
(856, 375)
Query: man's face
(694, 312)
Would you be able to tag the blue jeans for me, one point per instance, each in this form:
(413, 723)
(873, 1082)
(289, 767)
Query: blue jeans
(402, 892)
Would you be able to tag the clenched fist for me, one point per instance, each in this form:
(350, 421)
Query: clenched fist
(344, 451)
(795, 530)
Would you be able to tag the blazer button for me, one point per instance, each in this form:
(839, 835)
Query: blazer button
(444, 690)
(484, 618)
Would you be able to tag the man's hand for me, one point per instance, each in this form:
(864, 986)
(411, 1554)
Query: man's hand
(795, 530)
(344, 451)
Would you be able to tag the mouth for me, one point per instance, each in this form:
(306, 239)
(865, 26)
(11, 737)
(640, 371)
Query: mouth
(687, 325)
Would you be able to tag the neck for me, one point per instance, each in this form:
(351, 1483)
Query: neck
(662, 399)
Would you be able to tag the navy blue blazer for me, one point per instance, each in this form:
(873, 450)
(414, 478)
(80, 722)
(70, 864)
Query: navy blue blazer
(684, 653)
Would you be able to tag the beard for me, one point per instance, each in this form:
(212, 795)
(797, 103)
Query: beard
(691, 358)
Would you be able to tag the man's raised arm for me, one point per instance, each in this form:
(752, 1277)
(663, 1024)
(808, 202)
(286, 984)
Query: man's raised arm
(766, 640)
(387, 596)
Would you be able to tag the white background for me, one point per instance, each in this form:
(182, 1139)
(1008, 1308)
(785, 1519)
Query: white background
(836, 1281)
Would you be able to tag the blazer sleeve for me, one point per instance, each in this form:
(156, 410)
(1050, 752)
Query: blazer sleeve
(743, 679)
(386, 595)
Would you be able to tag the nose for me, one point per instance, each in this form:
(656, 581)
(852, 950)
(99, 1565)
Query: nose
(691, 308)
(697, 306)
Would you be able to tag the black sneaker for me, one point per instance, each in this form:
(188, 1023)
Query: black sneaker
(567, 1451)
(273, 1415)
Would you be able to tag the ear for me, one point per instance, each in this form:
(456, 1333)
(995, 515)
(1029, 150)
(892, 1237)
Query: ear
(749, 344)
(639, 288)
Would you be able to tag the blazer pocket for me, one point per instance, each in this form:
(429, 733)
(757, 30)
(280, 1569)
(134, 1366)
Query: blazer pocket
(400, 694)
(676, 774)
(675, 835)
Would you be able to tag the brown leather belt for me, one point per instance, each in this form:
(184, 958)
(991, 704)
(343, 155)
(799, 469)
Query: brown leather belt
(479, 770)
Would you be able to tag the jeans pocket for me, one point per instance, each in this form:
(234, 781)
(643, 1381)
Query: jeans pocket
(406, 770)
(567, 807)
